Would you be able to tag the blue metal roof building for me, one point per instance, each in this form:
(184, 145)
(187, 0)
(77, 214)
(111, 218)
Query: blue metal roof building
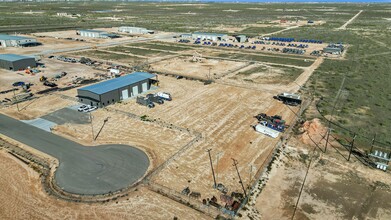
(114, 90)
(11, 37)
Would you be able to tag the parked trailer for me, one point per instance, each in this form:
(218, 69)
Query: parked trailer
(164, 95)
(289, 98)
(266, 130)
(145, 101)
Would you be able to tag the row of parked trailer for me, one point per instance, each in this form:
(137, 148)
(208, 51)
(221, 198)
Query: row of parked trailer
(293, 51)
(270, 125)
(282, 39)
(289, 40)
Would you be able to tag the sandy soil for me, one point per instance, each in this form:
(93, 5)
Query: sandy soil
(38, 107)
(23, 198)
(158, 141)
(225, 126)
(185, 66)
(49, 43)
(72, 34)
(334, 186)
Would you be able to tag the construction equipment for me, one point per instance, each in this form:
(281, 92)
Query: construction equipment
(144, 101)
(50, 84)
(62, 74)
(43, 79)
(221, 188)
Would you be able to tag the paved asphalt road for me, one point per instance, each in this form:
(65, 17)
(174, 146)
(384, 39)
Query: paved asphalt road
(82, 170)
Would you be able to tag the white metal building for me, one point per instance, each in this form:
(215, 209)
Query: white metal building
(16, 41)
(209, 36)
(92, 33)
(96, 34)
(135, 30)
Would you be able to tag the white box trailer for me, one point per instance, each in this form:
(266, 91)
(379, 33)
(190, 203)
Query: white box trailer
(266, 130)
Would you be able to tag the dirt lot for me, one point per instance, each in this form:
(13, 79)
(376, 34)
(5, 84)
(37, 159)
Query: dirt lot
(221, 113)
(72, 34)
(225, 126)
(334, 186)
(23, 198)
(48, 43)
(53, 68)
(185, 66)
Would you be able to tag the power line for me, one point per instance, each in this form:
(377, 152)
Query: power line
(235, 163)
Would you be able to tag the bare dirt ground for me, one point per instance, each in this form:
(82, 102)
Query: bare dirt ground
(23, 198)
(185, 66)
(48, 43)
(72, 34)
(333, 187)
(225, 125)
(265, 74)
(222, 114)
(39, 107)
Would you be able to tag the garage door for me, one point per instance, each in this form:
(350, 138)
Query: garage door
(125, 94)
(135, 90)
(145, 87)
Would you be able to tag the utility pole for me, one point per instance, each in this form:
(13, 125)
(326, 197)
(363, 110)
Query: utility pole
(17, 103)
(217, 166)
(211, 165)
(251, 171)
(332, 111)
(327, 138)
(235, 163)
(351, 146)
(373, 143)
(92, 128)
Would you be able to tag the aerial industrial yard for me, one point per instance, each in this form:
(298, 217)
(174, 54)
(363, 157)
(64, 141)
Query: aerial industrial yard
(109, 116)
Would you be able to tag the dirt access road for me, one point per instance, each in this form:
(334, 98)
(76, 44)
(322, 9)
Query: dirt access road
(343, 27)
(303, 78)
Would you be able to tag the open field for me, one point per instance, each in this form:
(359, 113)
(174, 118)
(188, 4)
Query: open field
(109, 56)
(185, 66)
(351, 192)
(267, 74)
(138, 51)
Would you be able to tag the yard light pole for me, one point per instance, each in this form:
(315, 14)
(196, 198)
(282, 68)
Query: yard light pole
(17, 103)
(251, 171)
(92, 127)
